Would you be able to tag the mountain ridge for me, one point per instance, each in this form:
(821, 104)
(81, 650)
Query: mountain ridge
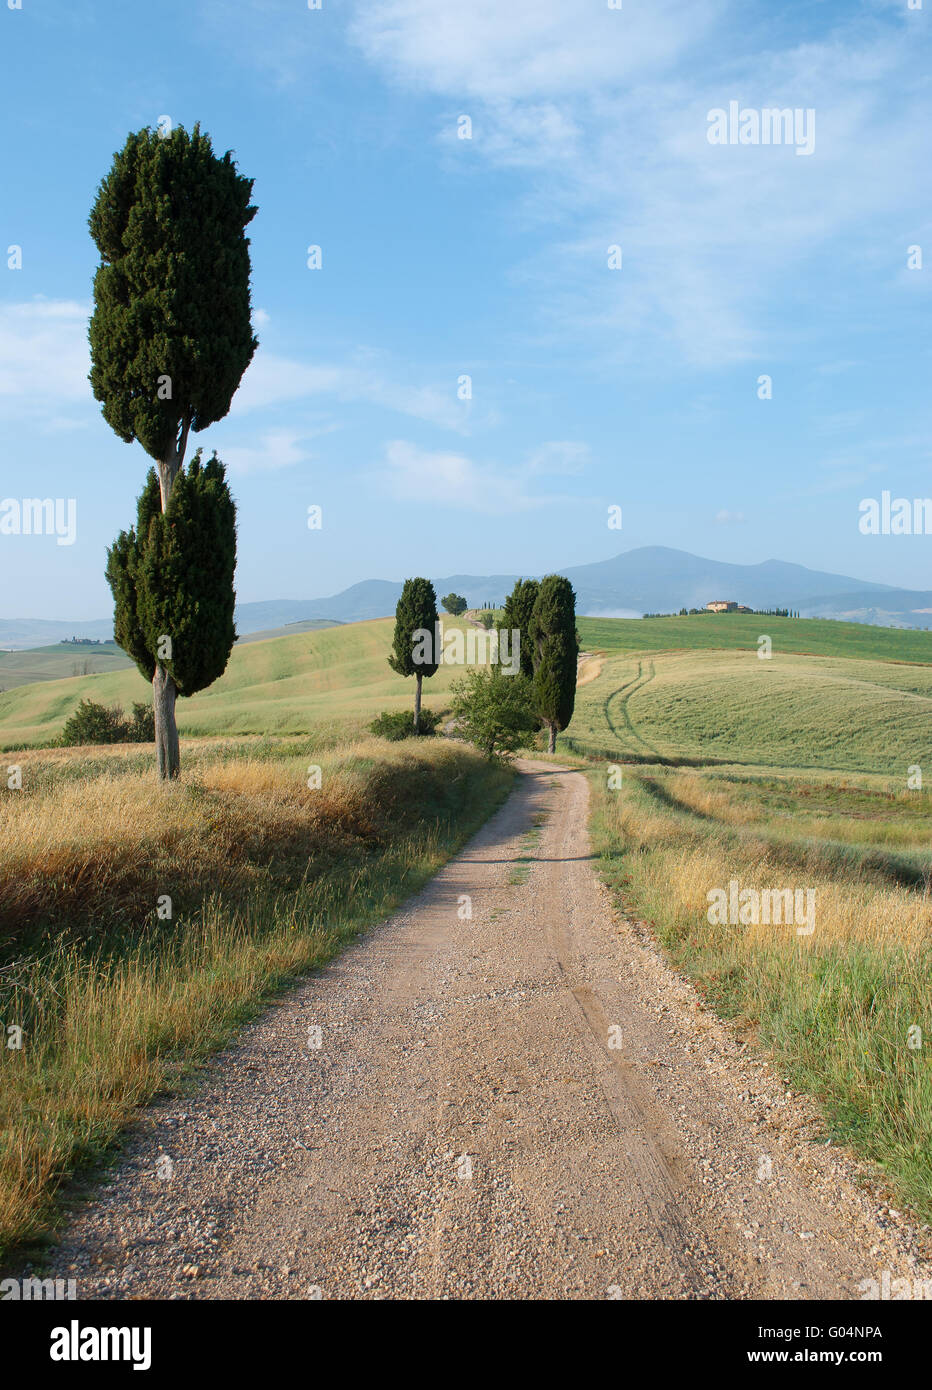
(644, 579)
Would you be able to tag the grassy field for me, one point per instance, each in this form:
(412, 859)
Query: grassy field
(740, 631)
(837, 1009)
(59, 662)
(731, 707)
(787, 773)
(285, 685)
(267, 879)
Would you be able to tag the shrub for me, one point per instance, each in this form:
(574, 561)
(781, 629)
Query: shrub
(495, 711)
(93, 723)
(398, 724)
(141, 728)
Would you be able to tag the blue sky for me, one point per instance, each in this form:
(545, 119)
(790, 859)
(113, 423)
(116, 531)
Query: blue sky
(488, 257)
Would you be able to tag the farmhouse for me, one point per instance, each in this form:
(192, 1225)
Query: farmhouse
(721, 605)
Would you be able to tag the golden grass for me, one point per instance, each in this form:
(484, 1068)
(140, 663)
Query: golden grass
(836, 1008)
(269, 877)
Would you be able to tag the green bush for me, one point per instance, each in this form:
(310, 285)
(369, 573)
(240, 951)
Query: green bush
(398, 724)
(93, 723)
(495, 711)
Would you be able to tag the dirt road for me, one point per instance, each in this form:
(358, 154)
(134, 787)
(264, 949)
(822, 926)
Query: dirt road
(521, 1103)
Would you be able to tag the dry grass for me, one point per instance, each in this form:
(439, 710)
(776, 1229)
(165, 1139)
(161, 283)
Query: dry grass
(837, 1008)
(268, 878)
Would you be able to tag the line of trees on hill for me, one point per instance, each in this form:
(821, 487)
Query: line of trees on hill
(747, 612)
(500, 710)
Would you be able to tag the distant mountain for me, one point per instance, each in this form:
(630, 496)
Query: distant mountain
(651, 579)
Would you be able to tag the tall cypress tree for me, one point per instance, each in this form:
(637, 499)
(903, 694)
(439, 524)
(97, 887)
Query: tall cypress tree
(415, 641)
(516, 617)
(171, 333)
(555, 647)
(172, 582)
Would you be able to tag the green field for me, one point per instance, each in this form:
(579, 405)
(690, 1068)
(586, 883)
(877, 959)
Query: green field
(710, 765)
(285, 685)
(731, 707)
(740, 631)
(57, 662)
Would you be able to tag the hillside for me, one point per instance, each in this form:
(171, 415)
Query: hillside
(740, 631)
(281, 685)
(296, 683)
(58, 662)
(729, 707)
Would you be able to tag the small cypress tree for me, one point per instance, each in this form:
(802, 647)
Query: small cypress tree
(555, 646)
(516, 617)
(415, 640)
(172, 582)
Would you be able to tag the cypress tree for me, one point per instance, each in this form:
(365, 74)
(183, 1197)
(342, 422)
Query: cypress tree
(170, 338)
(516, 617)
(414, 643)
(172, 582)
(555, 647)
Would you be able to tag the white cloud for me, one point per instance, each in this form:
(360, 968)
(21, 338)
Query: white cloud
(524, 48)
(271, 380)
(453, 480)
(44, 359)
(605, 110)
(275, 450)
(566, 456)
(726, 518)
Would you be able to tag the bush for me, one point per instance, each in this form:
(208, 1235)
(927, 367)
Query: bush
(495, 711)
(141, 728)
(397, 724)
(93, 723)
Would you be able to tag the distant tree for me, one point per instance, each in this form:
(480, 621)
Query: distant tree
(454, 604)
(495, 711)
(415, 639)
(172, 583)
(516, 617)
(171, 334)
(555, 644)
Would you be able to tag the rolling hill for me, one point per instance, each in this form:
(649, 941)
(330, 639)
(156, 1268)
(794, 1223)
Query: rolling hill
(650, 579)
(831, 692)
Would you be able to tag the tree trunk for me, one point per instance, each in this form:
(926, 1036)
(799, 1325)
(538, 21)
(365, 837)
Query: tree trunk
(552, 746)
(169, 466)
(417, 702)
(164, 690)
(167, 750)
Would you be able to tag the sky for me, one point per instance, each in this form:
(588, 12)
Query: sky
(545, 289)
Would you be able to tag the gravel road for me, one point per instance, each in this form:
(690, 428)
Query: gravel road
(522, 1103)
